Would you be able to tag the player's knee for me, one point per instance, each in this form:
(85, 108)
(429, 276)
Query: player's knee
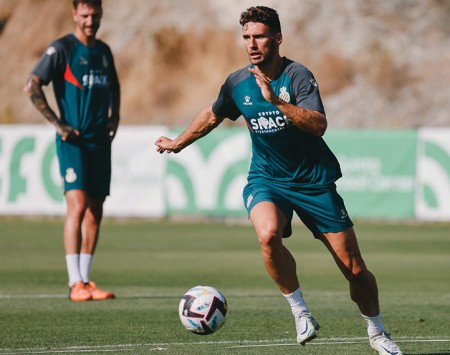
(77, 208)
(354, 274)
(268, 236)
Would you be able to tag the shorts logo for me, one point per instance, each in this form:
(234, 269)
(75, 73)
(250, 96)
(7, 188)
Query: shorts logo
(249, 200)
(71, 176)
(344, 214)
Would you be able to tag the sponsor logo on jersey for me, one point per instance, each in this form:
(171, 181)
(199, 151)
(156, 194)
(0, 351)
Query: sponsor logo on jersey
(269, 122)
(95, 80)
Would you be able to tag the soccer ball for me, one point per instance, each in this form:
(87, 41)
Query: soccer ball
(203, 310)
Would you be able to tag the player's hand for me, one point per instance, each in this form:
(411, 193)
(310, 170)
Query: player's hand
(166, 145)
(264, 83)
(67, 132)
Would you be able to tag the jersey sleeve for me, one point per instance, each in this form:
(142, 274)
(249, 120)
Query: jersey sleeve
(306, 90)
(224, 105)
(51, 63)
(114, 79)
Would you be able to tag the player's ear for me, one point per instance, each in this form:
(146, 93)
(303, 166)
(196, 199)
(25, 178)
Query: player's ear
(279, 38)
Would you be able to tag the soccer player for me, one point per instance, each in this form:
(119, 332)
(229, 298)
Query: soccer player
(87, 91)
(292, 169)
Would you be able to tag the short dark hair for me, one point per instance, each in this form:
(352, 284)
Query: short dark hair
(262, 14)
(94, 3)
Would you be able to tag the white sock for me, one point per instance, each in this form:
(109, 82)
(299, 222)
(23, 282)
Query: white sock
(73, 268)
(297, 302)
(374, 325)
(85, 266)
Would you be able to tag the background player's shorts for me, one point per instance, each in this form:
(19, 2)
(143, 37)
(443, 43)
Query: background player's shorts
(85, 167)
(321, 210)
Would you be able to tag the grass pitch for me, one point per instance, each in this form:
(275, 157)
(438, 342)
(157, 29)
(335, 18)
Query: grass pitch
(149, 265)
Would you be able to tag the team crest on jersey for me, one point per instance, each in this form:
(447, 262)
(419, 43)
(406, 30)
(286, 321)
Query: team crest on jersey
(83, 61)
(105, 62)
(247, 101)
(284, 95)
(50, 50)
(71, 175)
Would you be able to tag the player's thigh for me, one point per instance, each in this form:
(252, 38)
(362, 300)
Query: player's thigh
(274, 211)
(268, 221)
(71, 165)
(98, 173)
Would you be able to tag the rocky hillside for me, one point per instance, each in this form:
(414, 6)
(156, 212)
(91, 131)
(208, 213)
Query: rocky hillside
(379, 64)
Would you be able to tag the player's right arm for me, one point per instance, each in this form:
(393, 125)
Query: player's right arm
(203, 123)
(33, 88)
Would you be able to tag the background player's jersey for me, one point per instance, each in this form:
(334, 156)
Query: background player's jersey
(83, 79)
(281, 151)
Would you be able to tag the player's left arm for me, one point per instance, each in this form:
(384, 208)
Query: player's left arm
(114, 108)
(114, 118)
(310, 121)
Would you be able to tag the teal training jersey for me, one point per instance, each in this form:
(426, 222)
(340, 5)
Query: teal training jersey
(83, 79)
(281, 152)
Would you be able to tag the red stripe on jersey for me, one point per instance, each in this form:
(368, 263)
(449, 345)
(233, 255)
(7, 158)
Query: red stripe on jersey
(70, 78)
(250, 128)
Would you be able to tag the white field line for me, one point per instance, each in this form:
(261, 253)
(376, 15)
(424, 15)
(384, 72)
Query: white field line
(18, 297)
(229, 345)
(152, 295)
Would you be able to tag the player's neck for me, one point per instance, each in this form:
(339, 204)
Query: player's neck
(272, 68)
(88, 41)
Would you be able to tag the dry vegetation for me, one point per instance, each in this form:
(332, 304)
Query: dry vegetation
(379, 64)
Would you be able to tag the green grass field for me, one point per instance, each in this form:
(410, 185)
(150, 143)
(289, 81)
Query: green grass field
(149, 265)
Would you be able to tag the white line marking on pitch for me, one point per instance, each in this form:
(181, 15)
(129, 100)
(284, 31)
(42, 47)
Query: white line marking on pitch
(165, 346)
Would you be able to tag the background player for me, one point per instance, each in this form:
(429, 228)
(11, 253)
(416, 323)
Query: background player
(292, 169)
(87, 91)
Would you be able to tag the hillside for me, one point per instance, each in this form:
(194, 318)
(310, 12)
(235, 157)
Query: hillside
(379, 64)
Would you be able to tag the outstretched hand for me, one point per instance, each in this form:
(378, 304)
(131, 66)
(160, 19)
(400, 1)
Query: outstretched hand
(165, 145)
(263, 82)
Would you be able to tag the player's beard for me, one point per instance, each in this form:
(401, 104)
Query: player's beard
(266, 57)
(90, 31)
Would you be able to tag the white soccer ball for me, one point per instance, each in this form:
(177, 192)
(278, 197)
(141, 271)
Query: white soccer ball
(203, 310)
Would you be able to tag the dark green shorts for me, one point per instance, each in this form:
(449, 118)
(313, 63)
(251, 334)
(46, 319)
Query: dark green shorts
(321, 210)
(85, 167)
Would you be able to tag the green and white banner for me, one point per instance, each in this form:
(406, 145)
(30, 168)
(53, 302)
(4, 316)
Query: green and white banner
(432, 193)
(379, 169)
(394, 175)
(207, 177)
(30, 183)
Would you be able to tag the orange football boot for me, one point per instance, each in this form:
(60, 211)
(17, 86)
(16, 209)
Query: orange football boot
(79, 292)
(96, 293)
